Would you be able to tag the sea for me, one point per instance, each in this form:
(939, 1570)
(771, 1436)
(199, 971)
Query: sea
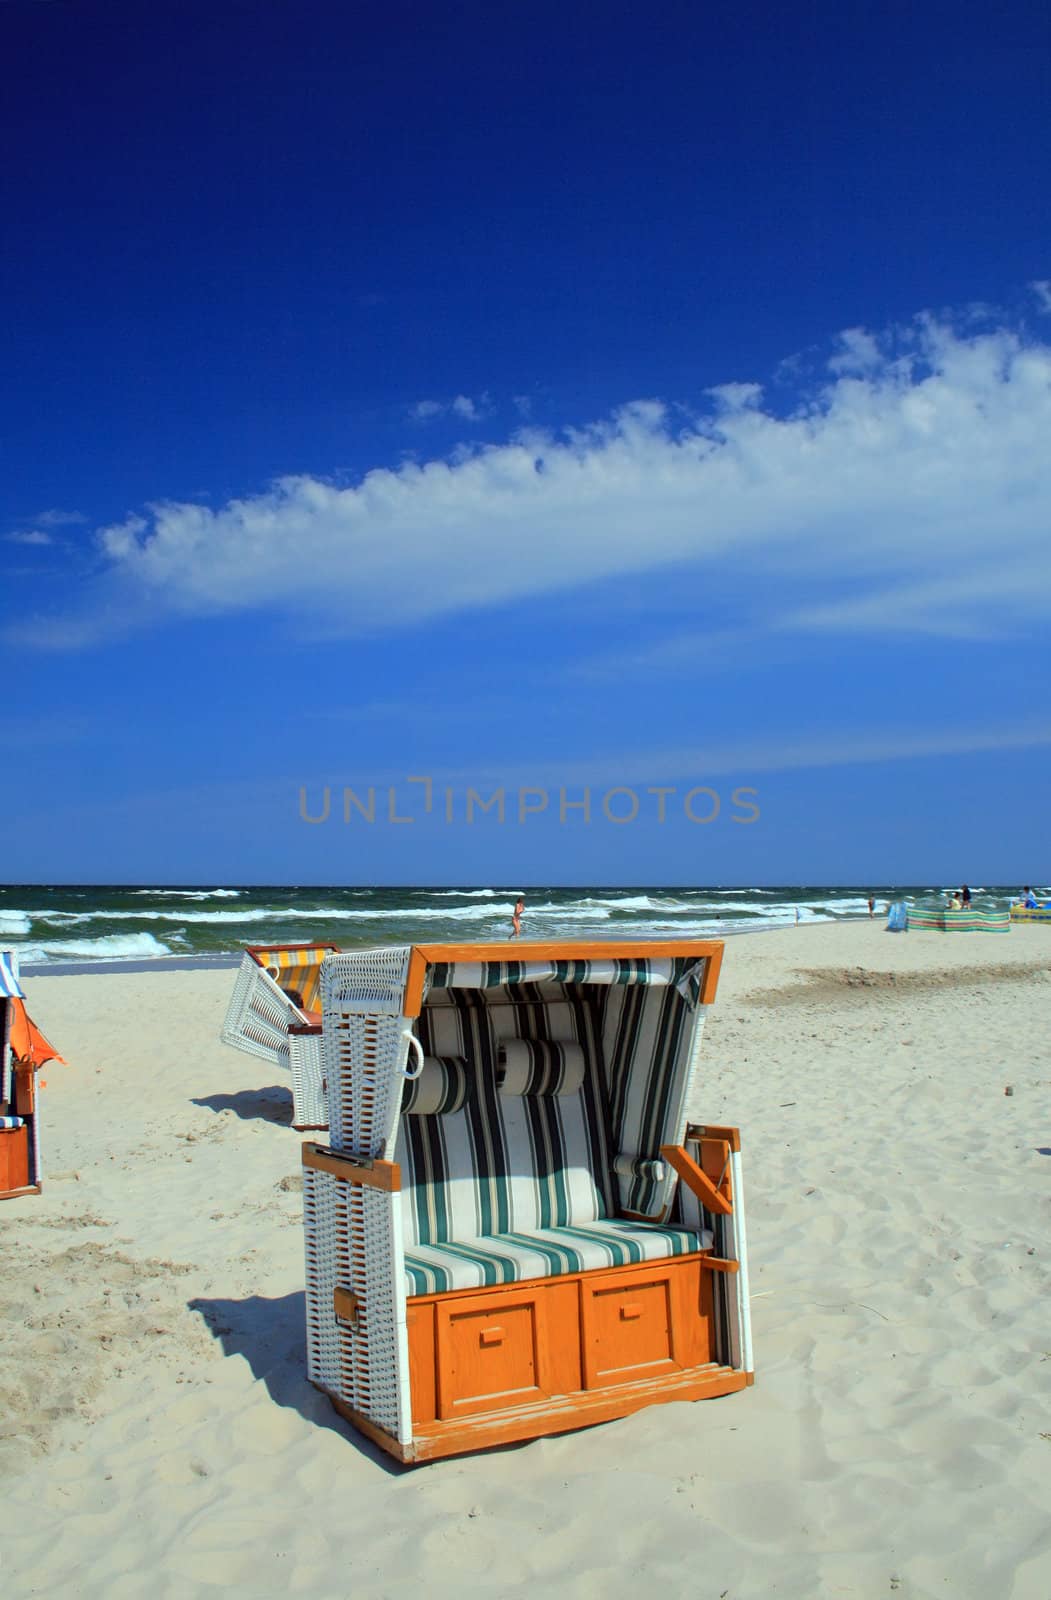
(205, 925)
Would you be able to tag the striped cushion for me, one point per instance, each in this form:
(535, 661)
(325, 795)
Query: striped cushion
(501, 1163)
(514, 1257)
(441, 1088)
(646, 1035)
(299, 970)
(539, 1066)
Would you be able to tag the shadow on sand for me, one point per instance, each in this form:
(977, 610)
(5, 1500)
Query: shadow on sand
(270, 1335)
(273, 1104)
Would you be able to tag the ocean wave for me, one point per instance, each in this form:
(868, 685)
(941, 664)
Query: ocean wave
(193, 894)
(275, 914)
(463, 894)
(110, 947)
(14, 923)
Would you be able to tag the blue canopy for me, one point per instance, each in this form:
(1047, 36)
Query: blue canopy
(10, 988)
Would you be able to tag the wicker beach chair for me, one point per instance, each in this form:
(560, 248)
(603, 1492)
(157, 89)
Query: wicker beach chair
(516, 1229)
(23, 1051)
(275, 1013)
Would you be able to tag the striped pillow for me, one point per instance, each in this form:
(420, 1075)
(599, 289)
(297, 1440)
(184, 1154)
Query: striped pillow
(441, 1088)
(541, 1067)
(646, 1167)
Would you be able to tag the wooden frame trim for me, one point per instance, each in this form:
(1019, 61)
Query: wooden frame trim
(13, 1194)
(696, 1180)
(385, 1175)
(302, 1029)
(720, 1264)
(256, 950)
(562, 1414)
(632, 1269)
(423, 955)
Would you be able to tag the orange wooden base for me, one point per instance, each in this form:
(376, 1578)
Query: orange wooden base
(560, 1415)
(494, 1366)
(14, 1163)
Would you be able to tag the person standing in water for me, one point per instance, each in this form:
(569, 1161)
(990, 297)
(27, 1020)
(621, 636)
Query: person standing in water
(516, 919)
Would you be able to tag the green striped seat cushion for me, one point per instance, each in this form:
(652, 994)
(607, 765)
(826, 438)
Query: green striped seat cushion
(514, 1257)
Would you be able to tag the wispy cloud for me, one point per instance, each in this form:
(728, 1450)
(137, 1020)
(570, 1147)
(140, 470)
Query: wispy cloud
(38, 536)
(1042, 289)
(465, 407)
(910, 486)
(748, 758)
(59, 519)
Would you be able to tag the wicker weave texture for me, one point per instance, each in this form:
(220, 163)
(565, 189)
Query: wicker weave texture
(365, 1045)
(352, 1240)
(320, 1192)
(309, 1103)
(258, 1015)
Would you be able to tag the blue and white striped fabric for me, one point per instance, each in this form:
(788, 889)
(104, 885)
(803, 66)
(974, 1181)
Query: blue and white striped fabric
(680, 972)
(10, 1122)
(10, 988)
(518, 1185)
(541, 1066)
(440, 1089)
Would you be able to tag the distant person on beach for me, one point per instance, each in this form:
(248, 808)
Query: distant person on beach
(965, 898)
(516, 919)
(955, 904)
(872, 905)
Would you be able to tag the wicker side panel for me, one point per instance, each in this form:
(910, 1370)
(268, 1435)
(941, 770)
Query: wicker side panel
(320, 1193)
(732, 1318)
(309, 1103)
(693, 1064)
(365, 1044)
(353, 1241)
(258, 1016)
(743, 1308)
(366, 980)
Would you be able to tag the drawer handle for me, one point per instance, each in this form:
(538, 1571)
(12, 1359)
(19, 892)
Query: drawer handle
(630, 1313)
(491, 1336)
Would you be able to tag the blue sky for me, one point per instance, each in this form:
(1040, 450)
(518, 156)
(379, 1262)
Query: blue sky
(527, 397)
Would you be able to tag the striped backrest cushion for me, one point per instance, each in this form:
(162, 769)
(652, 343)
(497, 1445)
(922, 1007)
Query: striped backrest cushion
(505, 1163)
(541, 1066)
(646, 1037)
(440, 1089)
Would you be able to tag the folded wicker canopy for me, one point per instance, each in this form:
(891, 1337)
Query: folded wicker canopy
(275, 1014)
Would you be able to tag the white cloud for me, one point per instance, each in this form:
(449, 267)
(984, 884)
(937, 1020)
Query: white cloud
(910, 487)
(59, 519)
(462, 406)
(30, 536)
(858, 352)
(1042, 289)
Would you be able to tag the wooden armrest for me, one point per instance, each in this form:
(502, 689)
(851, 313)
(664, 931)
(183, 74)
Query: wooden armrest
(384, 1175)
(711, 1198)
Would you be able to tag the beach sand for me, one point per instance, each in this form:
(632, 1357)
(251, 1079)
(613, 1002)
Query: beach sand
(158, 1435)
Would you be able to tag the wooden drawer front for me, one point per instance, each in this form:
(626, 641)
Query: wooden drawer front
(14, 1158)
(628, 1328)
(490, 1354)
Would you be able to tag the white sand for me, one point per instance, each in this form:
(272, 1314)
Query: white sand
(158, 1437)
